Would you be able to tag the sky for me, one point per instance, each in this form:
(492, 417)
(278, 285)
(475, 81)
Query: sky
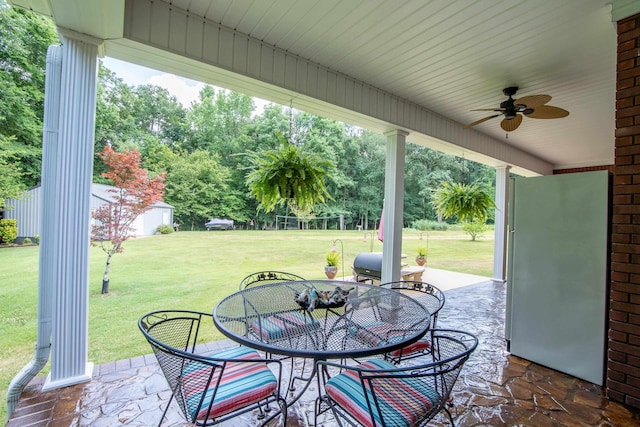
(185, 90)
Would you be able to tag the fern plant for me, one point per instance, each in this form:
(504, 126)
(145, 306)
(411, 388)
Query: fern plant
(288, 175)
(469, 202)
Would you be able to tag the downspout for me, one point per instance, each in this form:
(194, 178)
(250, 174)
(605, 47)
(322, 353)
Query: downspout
(46, 274)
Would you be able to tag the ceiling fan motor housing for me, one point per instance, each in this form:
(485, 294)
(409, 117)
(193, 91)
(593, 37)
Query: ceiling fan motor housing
(509, 108)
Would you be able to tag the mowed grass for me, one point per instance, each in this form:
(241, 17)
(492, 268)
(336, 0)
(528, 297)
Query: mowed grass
(193, 270)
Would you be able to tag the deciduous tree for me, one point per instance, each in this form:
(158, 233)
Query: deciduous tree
(11, 185)
(24, 39)
(198, 188)
(133, 195)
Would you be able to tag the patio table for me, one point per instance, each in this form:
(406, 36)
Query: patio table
(373, 320)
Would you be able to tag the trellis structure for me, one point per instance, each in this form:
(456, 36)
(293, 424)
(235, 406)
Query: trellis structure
(288, 222)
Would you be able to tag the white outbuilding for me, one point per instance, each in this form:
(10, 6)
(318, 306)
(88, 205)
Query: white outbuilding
(27, 211)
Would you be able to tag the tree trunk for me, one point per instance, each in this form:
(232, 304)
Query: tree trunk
(105, 277)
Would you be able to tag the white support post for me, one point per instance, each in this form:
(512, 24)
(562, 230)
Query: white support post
(70, 204)
(393, 205)
(500, 232)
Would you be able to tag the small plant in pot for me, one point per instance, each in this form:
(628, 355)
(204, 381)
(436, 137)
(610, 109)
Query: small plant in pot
(331, 269)
(421, 258)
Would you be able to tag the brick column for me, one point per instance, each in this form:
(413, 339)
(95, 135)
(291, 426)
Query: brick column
(623, 367)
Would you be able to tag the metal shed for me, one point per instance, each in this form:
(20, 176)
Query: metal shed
(27, 211)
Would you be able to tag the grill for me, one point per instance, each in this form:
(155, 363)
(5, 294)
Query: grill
(367, 266)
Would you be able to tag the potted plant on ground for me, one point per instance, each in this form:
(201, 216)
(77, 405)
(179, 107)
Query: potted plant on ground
(331, 269)
(421, 259)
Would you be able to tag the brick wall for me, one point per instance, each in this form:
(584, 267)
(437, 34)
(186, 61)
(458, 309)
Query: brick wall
(623, 367)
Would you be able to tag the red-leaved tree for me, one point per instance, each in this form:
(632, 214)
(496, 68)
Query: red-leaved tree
(134, 194)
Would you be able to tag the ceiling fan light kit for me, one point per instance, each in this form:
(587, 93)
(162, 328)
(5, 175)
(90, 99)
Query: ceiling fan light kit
(533, 106)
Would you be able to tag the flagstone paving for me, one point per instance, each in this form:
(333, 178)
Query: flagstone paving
(494, 388)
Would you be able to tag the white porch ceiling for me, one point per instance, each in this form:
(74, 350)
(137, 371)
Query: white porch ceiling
(447, 56)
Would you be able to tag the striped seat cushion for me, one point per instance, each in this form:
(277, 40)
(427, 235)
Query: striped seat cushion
(241, 384)
(284, 325)
(401, 401)
(377, 333)
(416, 347)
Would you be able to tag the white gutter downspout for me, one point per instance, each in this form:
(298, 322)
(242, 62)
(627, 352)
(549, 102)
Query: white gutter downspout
(47, 275)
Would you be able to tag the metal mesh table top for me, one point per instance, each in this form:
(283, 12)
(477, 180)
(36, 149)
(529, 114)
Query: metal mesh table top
(372, 320)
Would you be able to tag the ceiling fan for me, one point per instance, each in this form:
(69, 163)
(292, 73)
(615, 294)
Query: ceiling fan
(513, 110)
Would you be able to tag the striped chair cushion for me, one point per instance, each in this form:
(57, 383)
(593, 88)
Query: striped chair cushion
(416, 347)
(373, 334)
(284, 325)
(402, 401)
(242, 384)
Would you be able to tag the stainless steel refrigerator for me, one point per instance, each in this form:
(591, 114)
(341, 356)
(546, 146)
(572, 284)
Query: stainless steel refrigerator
(557, 272)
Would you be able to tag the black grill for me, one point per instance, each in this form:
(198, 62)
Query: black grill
(367, 266)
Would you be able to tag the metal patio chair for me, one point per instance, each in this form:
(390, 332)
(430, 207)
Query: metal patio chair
(210, 388)
(268, 276)
(378, 393)
(280, 325)
(290, 325)
(429, 296)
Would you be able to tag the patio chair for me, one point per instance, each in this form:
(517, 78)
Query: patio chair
(268, 276)
(378, 393)
(289, 325)
(429, 296)
(285, 325)
(209, 388)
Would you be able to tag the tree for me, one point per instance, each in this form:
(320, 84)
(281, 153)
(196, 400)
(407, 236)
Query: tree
(197, 187)
(24, 39)
(133, 195)
(470, 203)
(115, 121)
(159, 113)
(11, 185)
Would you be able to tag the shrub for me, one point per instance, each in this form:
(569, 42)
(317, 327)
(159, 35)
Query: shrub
(474, 229)
(36, 239)
(426, 224)
(26, 241)
(165, 229)
(8, 230)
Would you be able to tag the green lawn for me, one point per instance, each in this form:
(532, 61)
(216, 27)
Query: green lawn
(192, 270)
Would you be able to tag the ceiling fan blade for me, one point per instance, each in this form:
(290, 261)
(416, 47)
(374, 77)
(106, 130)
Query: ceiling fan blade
(532, 101)
(477, 122)
(510, 125)
(548, 112)
(488, 109)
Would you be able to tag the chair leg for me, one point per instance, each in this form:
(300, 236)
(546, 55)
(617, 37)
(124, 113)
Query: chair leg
(450, 404)
(165, 410)
(282, 404)
(292, 387)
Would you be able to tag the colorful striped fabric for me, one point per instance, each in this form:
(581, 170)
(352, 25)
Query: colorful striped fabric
(401, 401)
(283, 325)
(241, 384)
(378, 333)
(418, 346)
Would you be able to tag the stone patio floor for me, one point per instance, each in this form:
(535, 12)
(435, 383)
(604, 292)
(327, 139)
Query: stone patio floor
(494, 388)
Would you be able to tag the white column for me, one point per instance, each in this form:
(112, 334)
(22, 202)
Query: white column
(500, 233)
(393, 205)
(70, 208)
